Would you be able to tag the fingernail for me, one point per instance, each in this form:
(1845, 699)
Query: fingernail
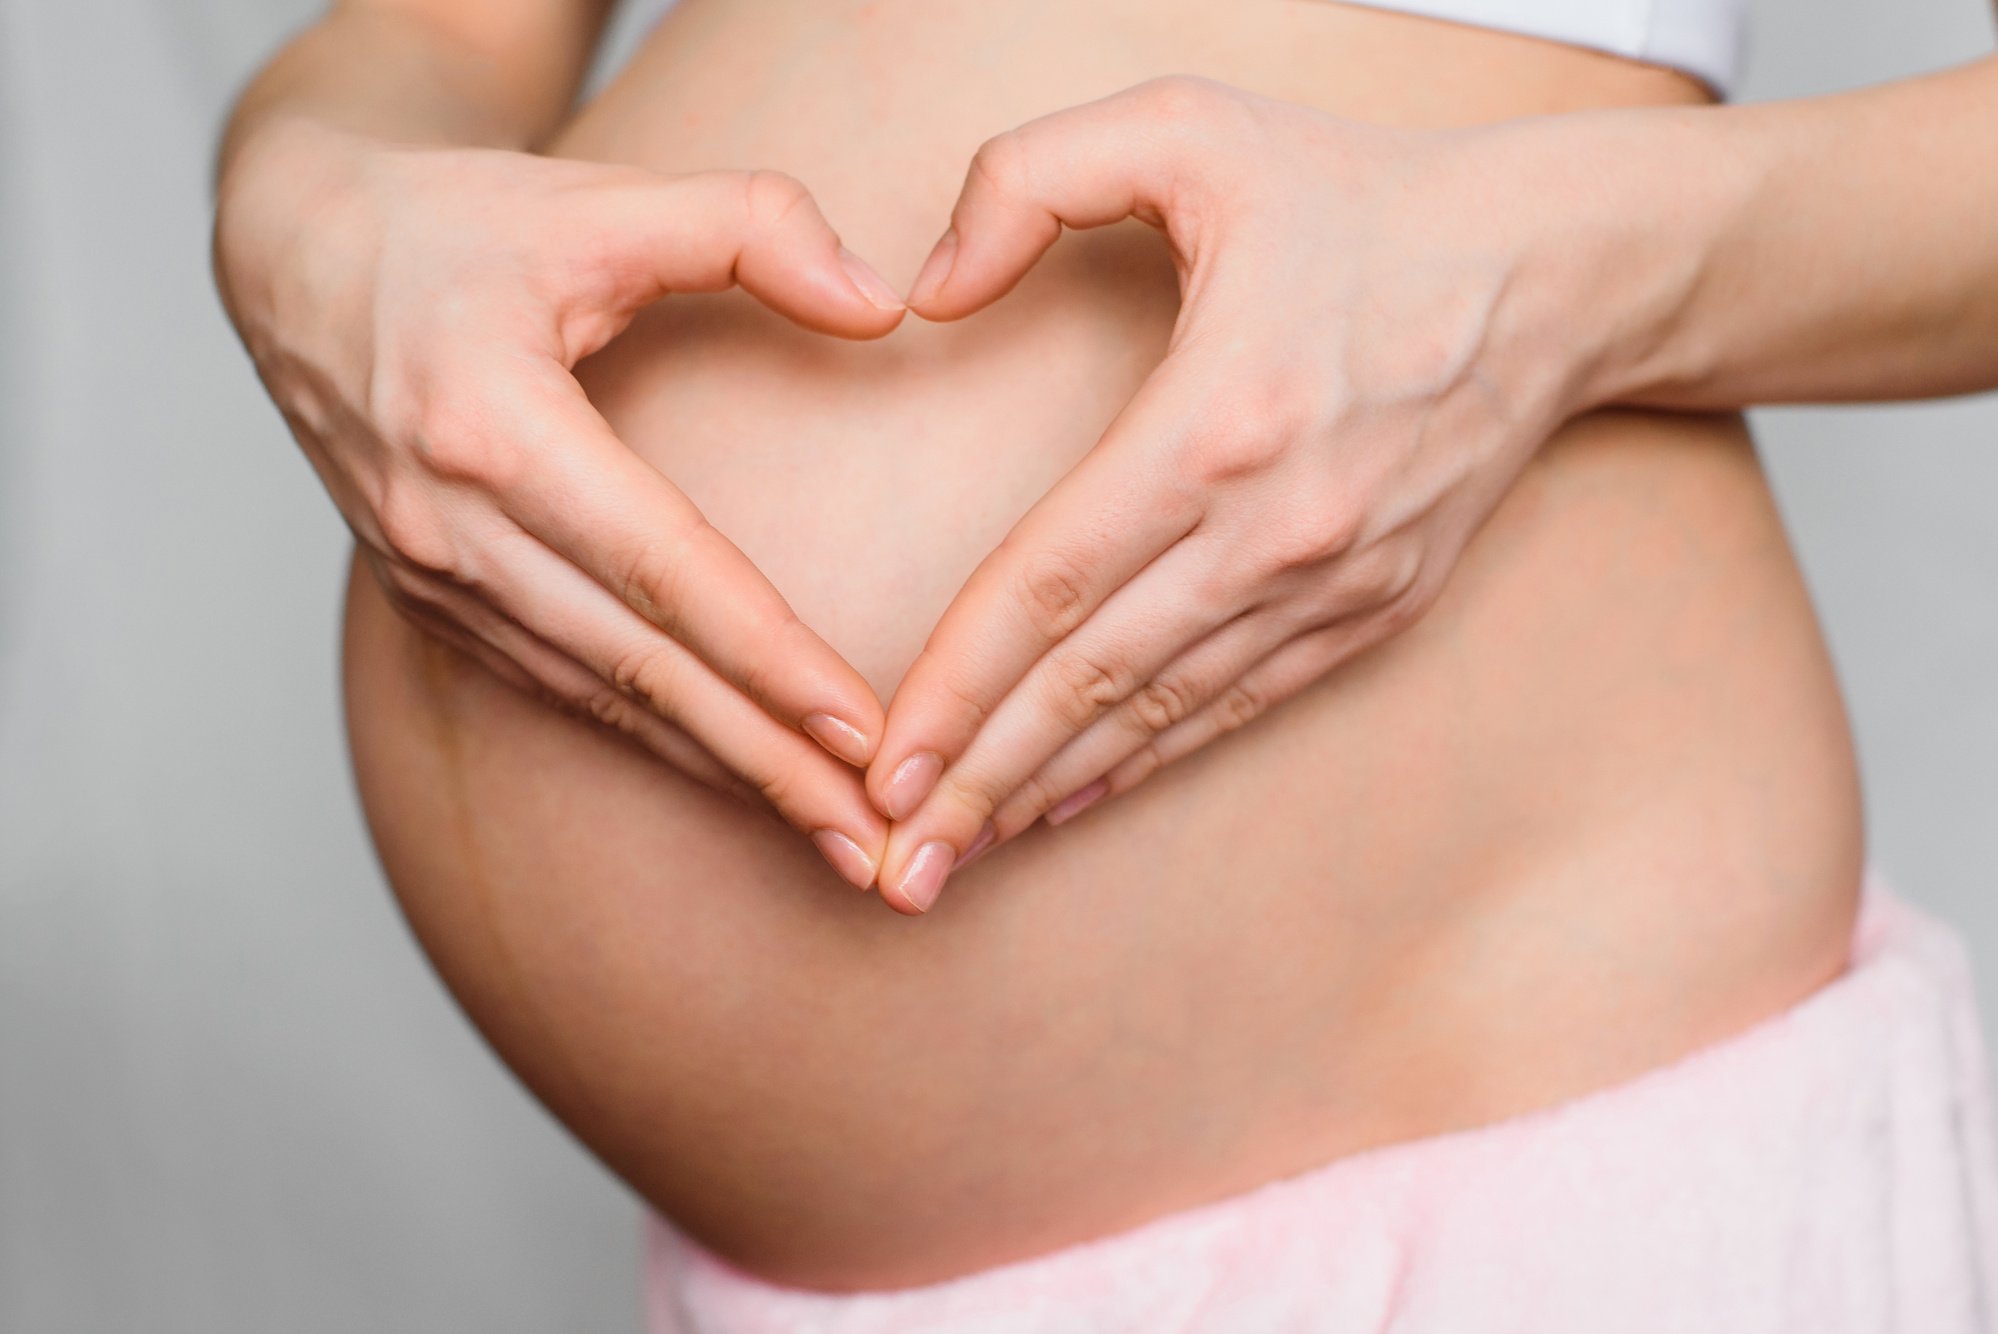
(869, 283)
(935, 269)
(841, 738)
(854, 866)
(977, 848)
(924, 877)
(1076, 803)
(911, 782)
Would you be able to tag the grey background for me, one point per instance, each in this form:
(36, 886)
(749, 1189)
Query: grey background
(231, 1096)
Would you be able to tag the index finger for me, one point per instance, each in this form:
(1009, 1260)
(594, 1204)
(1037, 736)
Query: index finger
(1109, 517)
(609, 512)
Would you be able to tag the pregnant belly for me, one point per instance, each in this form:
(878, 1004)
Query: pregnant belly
(1597, 808)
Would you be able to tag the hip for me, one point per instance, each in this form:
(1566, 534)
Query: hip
(1851, 1137)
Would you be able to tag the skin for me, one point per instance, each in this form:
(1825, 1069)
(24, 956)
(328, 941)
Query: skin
(426, 368)
(1071, 692)
(1256, 516)
(1594, 807)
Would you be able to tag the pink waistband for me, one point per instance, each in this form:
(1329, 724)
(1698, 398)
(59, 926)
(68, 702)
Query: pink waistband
(1832, 1169)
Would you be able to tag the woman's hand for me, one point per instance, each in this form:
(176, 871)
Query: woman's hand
(1358, 372)
(416, 312)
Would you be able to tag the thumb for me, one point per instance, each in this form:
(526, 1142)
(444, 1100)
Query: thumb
(761, 230)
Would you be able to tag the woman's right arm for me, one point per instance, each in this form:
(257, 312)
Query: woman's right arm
(416, 287)
(454, 73)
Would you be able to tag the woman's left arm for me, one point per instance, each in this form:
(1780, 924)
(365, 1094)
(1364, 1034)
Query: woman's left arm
(1378, 328)
(1840, 248)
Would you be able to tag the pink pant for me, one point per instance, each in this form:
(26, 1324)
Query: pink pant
(1833, 1169)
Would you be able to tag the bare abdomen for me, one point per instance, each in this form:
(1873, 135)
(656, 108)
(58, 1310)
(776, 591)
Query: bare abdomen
(1597, 808)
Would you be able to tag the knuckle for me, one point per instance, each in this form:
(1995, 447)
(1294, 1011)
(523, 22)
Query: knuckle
(1404, 607)
(1379, 577)
(1225, 589)
(1143, 763)
(644, 672)
(1237, 707)
(1160, 703)
(403, 585)
(1404, 578)
(610, 709)
(770, 198)
(785, 643)
(967, 701)
(648, 579)
(446, 433)
(1427, 357)
(1219, 459)
(1054, 588)
(1287, 406)
(786, 646)
(946, 697)
(414, 530)
(1180, 97)
(1085, 687)
(756, 676)
(779, 787)
(414, 607)
(1027, 802)
(1340, 521)
(1250, 437)
(454, 437)
(977, 794)
(1320, 532)
(1002, 164)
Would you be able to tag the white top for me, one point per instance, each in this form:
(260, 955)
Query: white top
(1701, 37)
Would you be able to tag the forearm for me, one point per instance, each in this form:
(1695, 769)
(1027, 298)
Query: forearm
(1824, 249)
(473, 73)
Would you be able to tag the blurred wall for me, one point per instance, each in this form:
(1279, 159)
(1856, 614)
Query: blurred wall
(232, 1097)
(1894, 513)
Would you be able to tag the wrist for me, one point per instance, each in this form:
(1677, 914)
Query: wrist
(390, 76)
(296, 214)
(1628, 215)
